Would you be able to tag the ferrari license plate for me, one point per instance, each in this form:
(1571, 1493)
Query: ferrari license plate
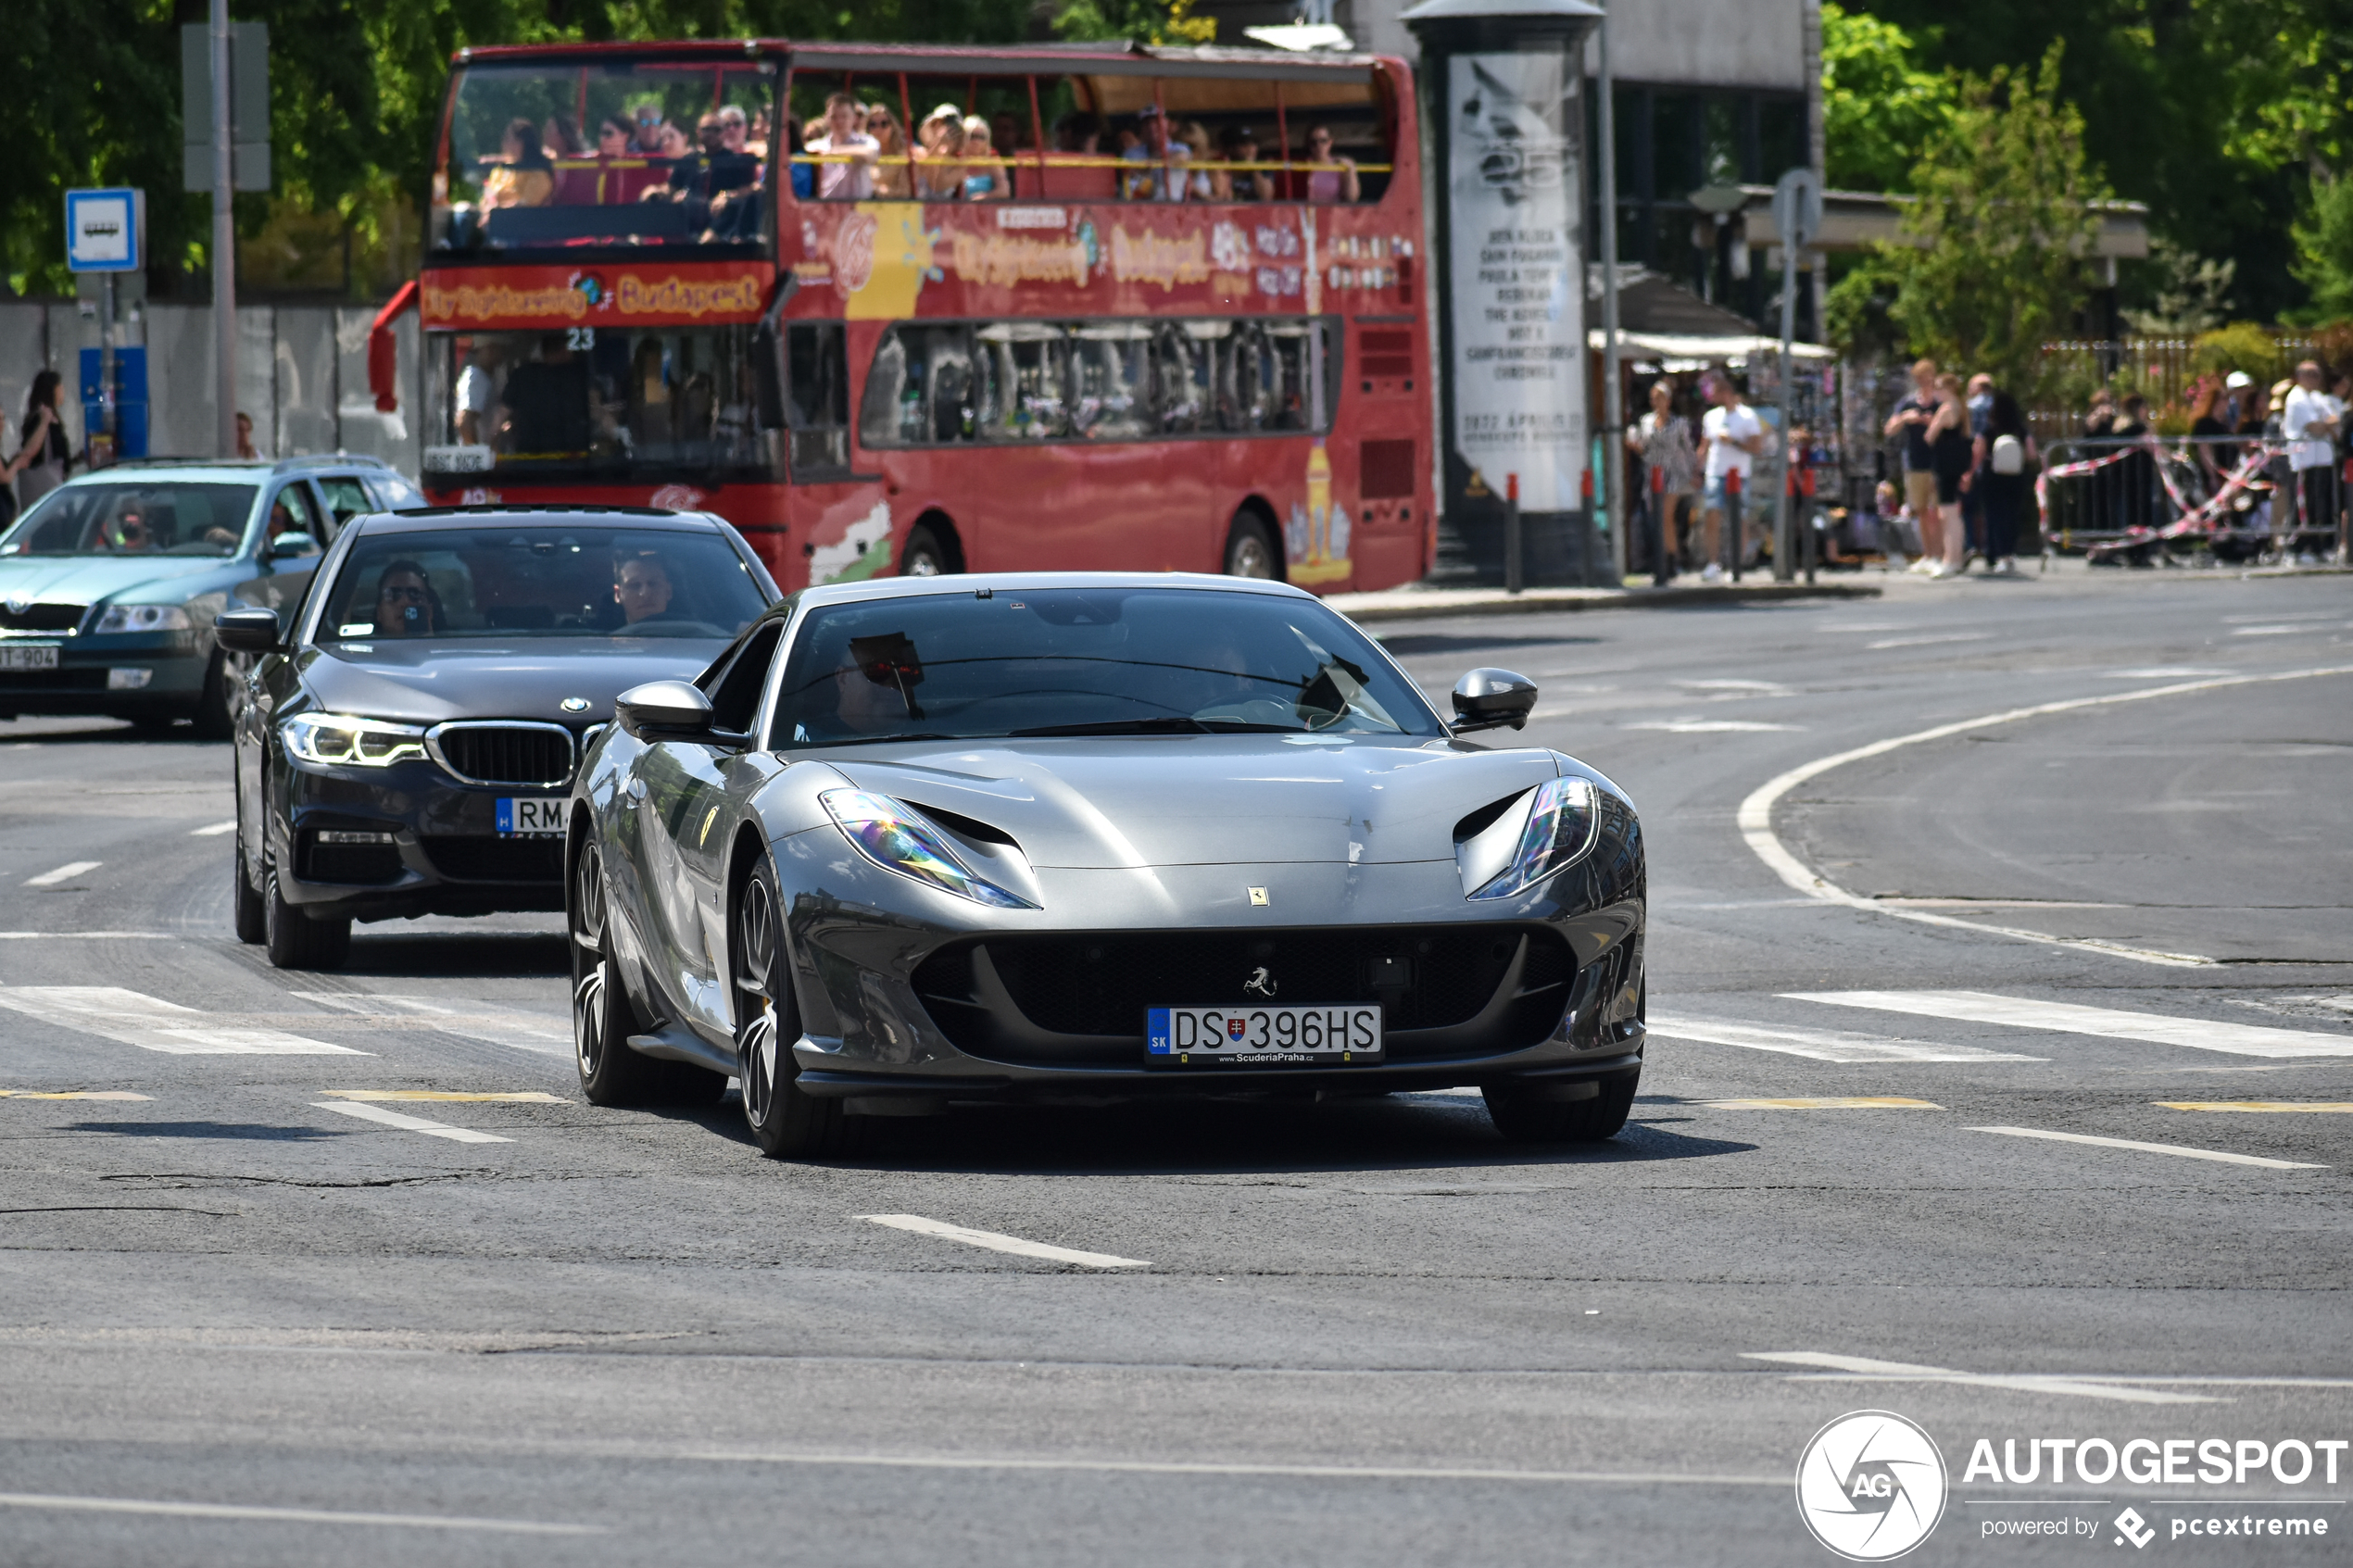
(28, 656)
(1267, 1036)
(524, 817)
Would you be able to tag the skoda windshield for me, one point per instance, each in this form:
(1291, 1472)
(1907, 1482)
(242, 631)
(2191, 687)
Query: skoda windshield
(1087, 661)
(134, 520)
(513, 582)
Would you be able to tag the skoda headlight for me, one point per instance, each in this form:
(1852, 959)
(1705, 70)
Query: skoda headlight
(896, 837)
(1561, 823)
(340, 740)
(141, 617)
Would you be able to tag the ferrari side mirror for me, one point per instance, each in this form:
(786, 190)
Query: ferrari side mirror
(1489, 699)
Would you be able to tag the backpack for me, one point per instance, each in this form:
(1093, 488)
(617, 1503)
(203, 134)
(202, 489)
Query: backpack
(2008, 455)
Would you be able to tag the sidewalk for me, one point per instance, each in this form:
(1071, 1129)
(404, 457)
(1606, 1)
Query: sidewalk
(1414, 602)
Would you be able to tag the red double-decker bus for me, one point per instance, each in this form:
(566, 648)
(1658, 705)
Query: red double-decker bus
(915, 310)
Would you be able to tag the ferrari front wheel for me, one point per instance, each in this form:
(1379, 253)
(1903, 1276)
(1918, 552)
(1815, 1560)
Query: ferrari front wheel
(786, 1123)
(611, 1072)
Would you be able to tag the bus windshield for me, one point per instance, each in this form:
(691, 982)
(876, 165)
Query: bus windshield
(612, 152)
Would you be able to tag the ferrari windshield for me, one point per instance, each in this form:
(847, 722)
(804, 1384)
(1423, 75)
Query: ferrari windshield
(541, 581)
(1087, 661)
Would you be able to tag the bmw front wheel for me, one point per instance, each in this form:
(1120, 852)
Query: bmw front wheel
(785, 1121)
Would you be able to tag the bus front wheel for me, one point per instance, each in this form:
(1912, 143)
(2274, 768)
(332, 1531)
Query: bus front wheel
(1250, 549)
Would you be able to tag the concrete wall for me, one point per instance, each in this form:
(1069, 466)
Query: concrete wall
(302, 373)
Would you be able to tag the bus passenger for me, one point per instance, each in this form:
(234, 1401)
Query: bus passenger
(1239, 147)
(1165, 177)
(612, 137)
(893, 170)
(1080, 133)
(984, 176)
(941, 177)
(523, 177)
(655, 137)
(562, 136)
(848, 173)
(1330, 178)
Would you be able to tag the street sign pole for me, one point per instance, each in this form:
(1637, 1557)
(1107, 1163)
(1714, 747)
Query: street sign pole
(1617, 510)
(224, 240)
(1797, 218)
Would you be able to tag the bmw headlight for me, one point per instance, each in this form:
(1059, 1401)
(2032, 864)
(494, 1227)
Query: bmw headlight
(340, 740)
(896, 837)
(141, 617)
(1561, 823)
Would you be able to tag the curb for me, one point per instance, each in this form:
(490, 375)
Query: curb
(1555, 601)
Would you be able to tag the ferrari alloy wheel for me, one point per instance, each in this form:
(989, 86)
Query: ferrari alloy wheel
(294, 940)
(785, 1123)
(612, 1072)
(1534, 1113)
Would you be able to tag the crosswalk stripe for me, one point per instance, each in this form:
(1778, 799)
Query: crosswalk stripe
(1019, 1246)
(2339, 1107)
(377, 1113)
(2184, 1152)
(2019, 1012)
(215, 830)
(1823, 1044)
(154, 1024)
(69, 1094)
(1825, 1102)
(65, 872)
(541, 1033)
(449, 1096)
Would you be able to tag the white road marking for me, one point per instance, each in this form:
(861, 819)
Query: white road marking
(216, 829)
(65, 872)
(2264, 1107)
(545, 1034)
(1708, 726)
(1755, 817)
(996, 1242)
(1743, 688)
(1825, 1102)
(1865, 1369)
(1927, 642)
(2019, 1012)
(70, 1094)
(2162, 672)
(1823, 1044)
(1242, 1468)
(450, 1097)
(407, 1124)
(93, 936)
(154, 1024)
(289, 1515)
(2214, 1154)
(2273, 630)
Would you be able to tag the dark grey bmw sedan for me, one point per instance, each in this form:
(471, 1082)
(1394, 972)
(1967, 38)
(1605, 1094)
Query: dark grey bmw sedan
(405, 738)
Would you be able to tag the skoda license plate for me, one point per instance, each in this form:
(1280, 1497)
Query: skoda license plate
(28, 656)
(519, 816)
(1262, 1036)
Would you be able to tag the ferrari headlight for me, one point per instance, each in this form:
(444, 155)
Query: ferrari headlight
(141, 617)
(1561, 823)
(896, 837)
(340, 740)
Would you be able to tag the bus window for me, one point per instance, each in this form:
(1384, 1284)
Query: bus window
(1111, 383)
(817, 398)
(921, 391)
(1230, 133)
(1023, 370)
(1185, 375)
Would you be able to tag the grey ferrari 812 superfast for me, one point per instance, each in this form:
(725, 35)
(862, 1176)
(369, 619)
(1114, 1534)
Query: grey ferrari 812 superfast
(1077, 837)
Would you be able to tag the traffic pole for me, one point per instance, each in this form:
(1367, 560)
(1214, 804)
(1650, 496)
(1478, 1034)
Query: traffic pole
(224, 240)
(1732, 521)
(1585, 556)
(1512, 573)
(1660, 531)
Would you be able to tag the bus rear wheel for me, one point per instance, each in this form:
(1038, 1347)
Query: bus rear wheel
(923, 555)
(1250, 549)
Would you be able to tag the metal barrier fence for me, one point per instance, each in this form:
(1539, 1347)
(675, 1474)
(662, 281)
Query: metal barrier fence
(2148, 497)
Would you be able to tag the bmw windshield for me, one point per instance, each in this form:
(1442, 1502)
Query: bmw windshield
(507, 582)
(1087, 661)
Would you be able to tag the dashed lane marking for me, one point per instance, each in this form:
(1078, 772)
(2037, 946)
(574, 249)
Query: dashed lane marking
(1867, 1370)
(2183, 1152)
(996, 1242)
(545, 1034)
(407, 1124)
(1886, 643)
(65, 872)
(1241, 1468)
(2073, 1018)
(70, 1094)
(1709, 726)
(215, 830)
(1823, 1044)
(1826, 1102)
(448, 1097)
(154, 1024)
(94, 936)
(289, 1515)
(2269, 1107)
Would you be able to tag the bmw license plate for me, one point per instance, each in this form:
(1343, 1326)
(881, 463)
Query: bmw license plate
(28, 656)
(1262, 1036)
(524, 817)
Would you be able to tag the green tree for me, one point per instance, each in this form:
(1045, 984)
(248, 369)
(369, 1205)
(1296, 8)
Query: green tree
(1879, 106)
(1993, 263)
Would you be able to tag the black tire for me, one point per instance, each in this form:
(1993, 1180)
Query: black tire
(1251, 550)
(923, 555)
(212, 717)
(296, 940)
(1523, 1116)
(252, 918)
(786, 1123)
(603, 1018)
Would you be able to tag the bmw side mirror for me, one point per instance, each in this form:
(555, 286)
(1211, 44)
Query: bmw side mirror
(246, 631)
(287, 546)
(1489, 699)
(663, 711)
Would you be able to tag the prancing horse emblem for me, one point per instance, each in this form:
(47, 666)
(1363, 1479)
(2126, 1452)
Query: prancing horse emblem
(1260, 983)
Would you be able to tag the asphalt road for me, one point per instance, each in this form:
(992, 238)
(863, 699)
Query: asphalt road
(239, 1324)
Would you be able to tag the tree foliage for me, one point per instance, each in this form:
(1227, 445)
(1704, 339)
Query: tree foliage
(1879, 107)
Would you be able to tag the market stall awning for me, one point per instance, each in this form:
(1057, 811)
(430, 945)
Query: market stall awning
(1694, 351)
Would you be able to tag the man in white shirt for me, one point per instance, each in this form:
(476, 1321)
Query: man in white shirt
(1169, 179)
(2311, 422)
(848, 173)
(476, 392)
(1731, 436)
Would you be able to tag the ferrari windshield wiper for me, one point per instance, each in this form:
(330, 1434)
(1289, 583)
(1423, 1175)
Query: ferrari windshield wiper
(878, 740)
(1175, 724)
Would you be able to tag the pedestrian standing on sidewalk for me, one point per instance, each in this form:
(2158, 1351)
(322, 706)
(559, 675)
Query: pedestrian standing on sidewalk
(42, 436)
(2310, 422)
(1949, 448)
(1670, 474)
(2006, 460)
(1980, 412)
(1731, 436)
(1909, 424)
